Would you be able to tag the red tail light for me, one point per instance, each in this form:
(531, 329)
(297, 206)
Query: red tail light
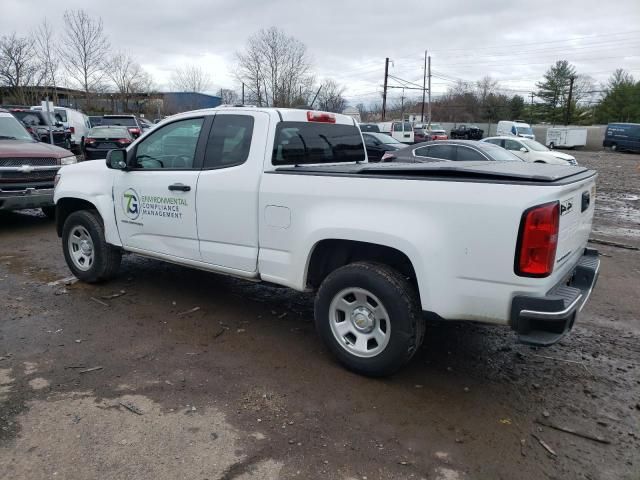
(538, 240)
(321, 117)
(135, 131)
(72, 129)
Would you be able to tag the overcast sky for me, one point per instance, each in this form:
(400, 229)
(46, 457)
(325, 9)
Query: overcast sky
(514, 42)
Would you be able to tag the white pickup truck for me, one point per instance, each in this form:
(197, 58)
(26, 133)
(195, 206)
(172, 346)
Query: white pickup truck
(287, 197)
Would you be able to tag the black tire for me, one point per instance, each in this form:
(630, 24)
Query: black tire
(614, 147)
(49, 212)
(551, 146)
(399, 298)
(106, 260)
(539, 161)
(466, 136)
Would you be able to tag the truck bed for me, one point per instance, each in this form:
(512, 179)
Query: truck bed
(492, 172)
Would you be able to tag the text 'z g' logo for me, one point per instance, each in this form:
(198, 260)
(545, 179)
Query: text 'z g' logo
(131, 204)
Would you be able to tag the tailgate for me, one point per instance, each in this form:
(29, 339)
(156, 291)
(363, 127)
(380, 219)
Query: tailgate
(577, 204)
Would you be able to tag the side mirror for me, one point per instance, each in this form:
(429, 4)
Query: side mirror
(522, 149)
(117, 159)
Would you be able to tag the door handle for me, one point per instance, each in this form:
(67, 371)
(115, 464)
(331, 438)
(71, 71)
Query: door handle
(179, 187)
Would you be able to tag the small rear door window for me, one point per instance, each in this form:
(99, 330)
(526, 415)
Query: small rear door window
(308, 142)
(229, 141)
(443, 152)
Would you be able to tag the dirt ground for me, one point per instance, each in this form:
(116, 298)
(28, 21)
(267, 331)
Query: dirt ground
(129, 380)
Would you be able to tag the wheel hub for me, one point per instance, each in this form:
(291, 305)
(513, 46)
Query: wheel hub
(363, 319)
(85, 247)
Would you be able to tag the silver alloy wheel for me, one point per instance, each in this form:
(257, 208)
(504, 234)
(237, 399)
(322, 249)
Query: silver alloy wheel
(81, 249)
(359, 322)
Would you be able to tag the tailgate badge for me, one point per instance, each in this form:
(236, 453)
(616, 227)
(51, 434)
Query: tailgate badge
(566, 206)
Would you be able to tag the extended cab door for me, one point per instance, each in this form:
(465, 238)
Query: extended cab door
(155, 200)
(228, 186)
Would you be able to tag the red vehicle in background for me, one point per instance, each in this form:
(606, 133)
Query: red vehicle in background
(425, 133)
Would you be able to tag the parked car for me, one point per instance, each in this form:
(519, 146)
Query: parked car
(145, 124)
(622, 136)
(566, 137)
(401, 131)
(369, 127)
(283, 195)
(129, 121)
(100, 140)
(77, 123)
(436, 132)
(451, 150)
(39, 124)
(532, 151)
(378, 144)
(466, 132)
(27, 167)
(95, 120)
(425, 133)
(515, 128)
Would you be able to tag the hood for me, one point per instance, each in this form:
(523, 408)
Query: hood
(562, 156)
(29, 149)
(89, 166)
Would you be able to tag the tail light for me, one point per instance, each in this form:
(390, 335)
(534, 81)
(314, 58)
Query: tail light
(321, 117)
(72, 129)
(387, 157)
(537, 241)
(123, 140)
(134, 131)
(89, 140)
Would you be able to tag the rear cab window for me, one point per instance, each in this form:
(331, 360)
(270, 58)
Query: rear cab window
(299, 143)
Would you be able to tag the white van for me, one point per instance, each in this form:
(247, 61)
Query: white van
(77, 122)
(401, 131)
(516, 129)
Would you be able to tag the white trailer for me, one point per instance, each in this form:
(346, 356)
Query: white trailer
(566, 137)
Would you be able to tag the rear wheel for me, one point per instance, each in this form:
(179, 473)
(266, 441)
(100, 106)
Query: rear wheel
(551, 146)
(614, 147)
(86, 251)
(370, 318)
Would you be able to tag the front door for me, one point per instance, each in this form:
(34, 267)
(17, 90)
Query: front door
(155, 201)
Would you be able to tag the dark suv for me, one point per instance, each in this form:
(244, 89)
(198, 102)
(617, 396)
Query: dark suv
(27, 167)
(39, 123)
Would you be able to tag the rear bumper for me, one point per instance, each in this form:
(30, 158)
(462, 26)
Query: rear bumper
(27, 198)
(545, 320)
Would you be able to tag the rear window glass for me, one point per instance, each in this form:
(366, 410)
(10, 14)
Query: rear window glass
(369, 128)
(124, 121)
(30, 118)
(301, 142)
(499, 154)
(468, 154)
(229, 141)
(111, 132)
(397, 127)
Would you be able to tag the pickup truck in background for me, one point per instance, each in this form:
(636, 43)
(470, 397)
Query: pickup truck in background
(288, 197)
(466, 132)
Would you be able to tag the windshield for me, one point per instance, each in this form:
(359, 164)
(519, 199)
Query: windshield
(524, 131)
(498, 154)
(11, 129)
(436, 126)
(124, 121)
(535, 146)
(109, 132)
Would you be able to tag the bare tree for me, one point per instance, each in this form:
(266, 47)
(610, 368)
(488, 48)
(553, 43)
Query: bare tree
(484, 87)
(275, 67)
(84, 49)
(19, 69)
(190, 78)
(330, 98)
(48, 56)
(128, 77)
(228, 96)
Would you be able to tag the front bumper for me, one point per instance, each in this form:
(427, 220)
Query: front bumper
(27, 198)
(545, 320)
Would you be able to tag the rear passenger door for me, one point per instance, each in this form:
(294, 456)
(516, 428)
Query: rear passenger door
(228, 186)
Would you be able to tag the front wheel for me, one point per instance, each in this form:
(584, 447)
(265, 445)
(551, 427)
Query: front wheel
(370, 318)
(86, 251)
(614, 147)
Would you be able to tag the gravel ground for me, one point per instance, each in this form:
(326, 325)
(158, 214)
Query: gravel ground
(130, 380)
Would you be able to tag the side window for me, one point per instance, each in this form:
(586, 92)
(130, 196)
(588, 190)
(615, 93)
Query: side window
(512, 145)
(172, 147)
(468, 154)
(495, 141)
(229, 141)
(443, 152)
(421, 152)
(513, 130)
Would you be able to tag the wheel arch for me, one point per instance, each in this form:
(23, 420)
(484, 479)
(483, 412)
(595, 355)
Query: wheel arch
(103, 205)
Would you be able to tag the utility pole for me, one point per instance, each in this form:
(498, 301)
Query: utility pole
(314, 98)
(568, 112)
(49, 120)
(531, 111)
(384, 92)
(402, 109)
(429, 91)
(424, 86)
(242, 93)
